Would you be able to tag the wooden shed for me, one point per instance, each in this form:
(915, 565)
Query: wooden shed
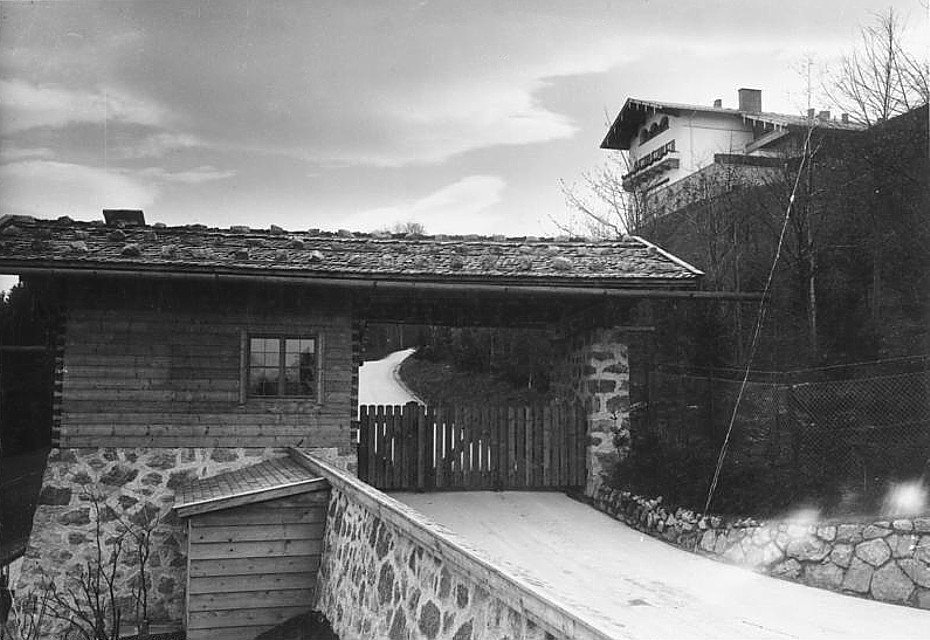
(254, 542)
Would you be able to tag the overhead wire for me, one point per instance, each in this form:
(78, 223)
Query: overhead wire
(760, 319)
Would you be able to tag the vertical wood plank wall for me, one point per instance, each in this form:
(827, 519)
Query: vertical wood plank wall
(253, 567)
(159, 366)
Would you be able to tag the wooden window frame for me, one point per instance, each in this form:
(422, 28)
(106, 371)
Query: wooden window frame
(245, 366)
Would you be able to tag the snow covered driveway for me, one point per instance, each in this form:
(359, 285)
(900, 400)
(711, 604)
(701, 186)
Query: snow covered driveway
(378, 381)
(633, 586)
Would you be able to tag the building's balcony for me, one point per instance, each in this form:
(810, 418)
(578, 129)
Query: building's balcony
(659, 161)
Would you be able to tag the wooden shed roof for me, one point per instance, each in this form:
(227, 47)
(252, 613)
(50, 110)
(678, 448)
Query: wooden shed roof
(29, 245)
(276, 478)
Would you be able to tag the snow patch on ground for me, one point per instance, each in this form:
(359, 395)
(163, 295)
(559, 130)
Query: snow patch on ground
(379, 381)
(639, 587)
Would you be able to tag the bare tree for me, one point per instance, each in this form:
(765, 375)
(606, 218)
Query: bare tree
(606, 209)
(87, 603)
(410, 227)
(880, 78)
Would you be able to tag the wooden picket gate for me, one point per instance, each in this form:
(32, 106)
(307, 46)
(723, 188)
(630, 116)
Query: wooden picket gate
(417, 448)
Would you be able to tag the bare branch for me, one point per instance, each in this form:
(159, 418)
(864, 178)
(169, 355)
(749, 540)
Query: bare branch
(880, 78)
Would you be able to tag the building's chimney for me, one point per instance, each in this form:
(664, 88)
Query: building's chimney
(844, 118)
(718, 103)
(750, 100)
(810, 113)
(124, 217)
(823, 115)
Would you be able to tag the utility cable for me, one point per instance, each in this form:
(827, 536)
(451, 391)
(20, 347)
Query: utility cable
(760, 318)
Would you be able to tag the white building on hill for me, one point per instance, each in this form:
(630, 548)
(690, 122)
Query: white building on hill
(667, 142)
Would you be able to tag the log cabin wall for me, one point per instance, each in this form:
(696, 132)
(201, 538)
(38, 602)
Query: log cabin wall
(161, 365)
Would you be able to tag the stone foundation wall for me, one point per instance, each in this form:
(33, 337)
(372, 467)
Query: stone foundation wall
(887, 560)
(386, 572)
(132, 487)
(597, 373)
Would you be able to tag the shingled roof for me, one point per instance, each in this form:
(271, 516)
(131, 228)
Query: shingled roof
(29, 245)
(267, 480)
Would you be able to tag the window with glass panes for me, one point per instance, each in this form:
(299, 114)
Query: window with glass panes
(282, 366)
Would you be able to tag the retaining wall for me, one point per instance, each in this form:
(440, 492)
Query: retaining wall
(132, 487)
(387, 572)
(887, 560)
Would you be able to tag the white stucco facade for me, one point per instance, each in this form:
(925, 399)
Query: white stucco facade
(691, 138)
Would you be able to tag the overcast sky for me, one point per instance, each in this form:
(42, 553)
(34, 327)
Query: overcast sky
(463, 116)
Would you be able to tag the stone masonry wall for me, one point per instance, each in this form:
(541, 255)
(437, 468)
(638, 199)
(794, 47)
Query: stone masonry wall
(377, 583)
(597, 372)
(132, 487)
(887, 560)
(386, 572)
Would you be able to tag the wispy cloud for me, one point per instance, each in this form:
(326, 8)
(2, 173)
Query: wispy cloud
(440, 122)
(27, 106)
(11, 152)
(197, 175)
(47, 188)
(158, 145)
(461, 207)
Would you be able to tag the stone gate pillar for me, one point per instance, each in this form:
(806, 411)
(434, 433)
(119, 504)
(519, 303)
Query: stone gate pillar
(597, 374)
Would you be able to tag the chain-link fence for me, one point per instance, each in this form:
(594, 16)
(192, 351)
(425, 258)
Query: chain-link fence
(832, 438)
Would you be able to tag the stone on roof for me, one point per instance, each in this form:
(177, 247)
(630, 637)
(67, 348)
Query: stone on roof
(29, 244)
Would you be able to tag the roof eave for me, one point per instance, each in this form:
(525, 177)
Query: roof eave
(581, 286)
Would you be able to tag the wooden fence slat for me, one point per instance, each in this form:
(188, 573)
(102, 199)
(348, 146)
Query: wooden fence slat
(363, 454)
(440, 448)
(547, 446)
(581, 426)
(520, 447)
(365, 440)
(423, 456)
(398, 447)
(450, 446)
(528, 453)
(509, 453)
(530, 447)
(430, 417)
(408, 427)
(387, 465)
(458, 459)
(477, 427)
(474, 449)
(448, 414)
(448, 417)
(490, 455)
(562, 446)
(569, 445)
(468, 431)
(494, 474)
(568, 417)
(406, 439)
(556, 438)
(499, 451)
(379, 446)
(477, 435)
